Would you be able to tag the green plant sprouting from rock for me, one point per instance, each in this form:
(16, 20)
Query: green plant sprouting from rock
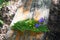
(30, 25)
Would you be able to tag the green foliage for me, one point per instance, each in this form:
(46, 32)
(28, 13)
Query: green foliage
(29, 25)
(1, 22)
(3, 2)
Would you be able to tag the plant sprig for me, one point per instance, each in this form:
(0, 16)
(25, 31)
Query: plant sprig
(29, 25)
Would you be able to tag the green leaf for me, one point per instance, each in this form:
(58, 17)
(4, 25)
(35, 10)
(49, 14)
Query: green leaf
(1, 22)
